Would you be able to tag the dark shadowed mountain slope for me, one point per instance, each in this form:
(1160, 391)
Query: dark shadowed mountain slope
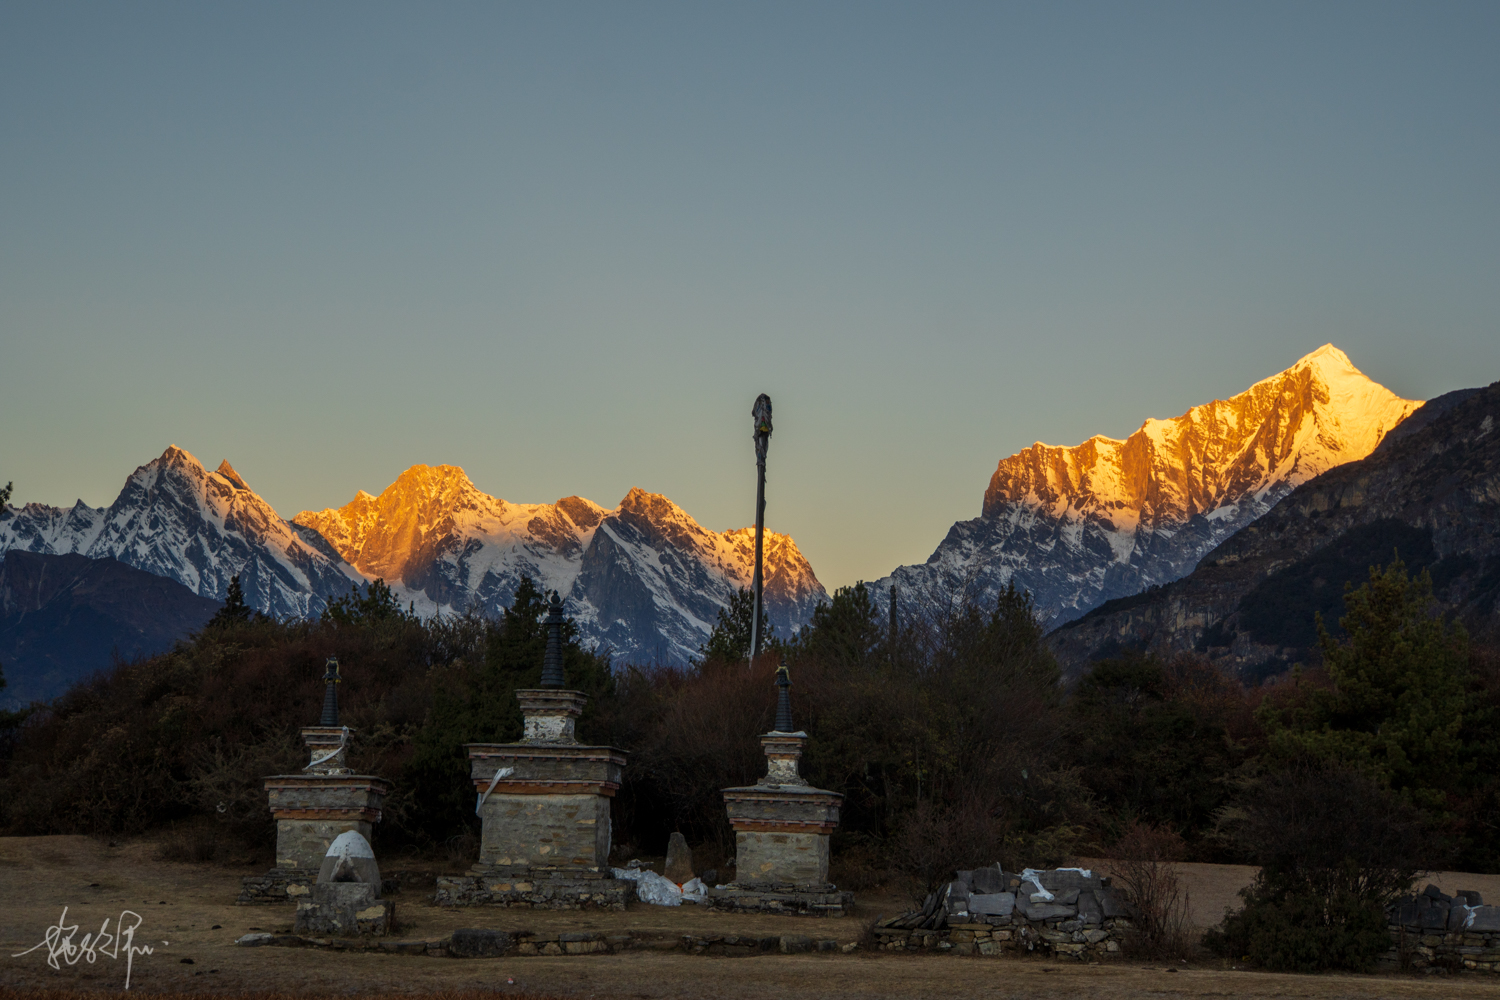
(1433, 496)
(63, 617)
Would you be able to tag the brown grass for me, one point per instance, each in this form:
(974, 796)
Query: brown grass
(11, 993)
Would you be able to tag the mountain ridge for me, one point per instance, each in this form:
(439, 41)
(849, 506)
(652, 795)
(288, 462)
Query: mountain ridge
(643, 579)
(645, 567)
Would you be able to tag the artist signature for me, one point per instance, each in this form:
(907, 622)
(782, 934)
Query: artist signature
(60, 944)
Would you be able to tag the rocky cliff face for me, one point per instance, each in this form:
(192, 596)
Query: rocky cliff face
(1433, 496)
(1079, 526)
(176, 519)
(644, 579)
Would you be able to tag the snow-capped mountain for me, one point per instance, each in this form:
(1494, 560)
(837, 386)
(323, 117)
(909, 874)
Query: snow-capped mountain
(176, 519)
(1079, 526)
(644, 579)
(1430, 493)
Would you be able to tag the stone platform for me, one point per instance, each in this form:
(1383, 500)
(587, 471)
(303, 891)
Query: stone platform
(344, 909)
(488, 886)
(785, 900)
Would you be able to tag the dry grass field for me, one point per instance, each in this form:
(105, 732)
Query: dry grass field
(188, 913)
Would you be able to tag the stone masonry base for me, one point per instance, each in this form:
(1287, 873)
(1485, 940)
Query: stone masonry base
(785, 900)
(1437, 931)
(536, 890)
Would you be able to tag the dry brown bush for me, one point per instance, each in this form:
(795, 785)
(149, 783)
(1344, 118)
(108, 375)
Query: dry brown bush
(195, 841)
(1144, 868)
(182, 734)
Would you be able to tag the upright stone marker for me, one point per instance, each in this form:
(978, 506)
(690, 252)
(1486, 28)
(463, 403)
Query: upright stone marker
(781, 829)
(313, 808)
(544, 805)
(679, 863)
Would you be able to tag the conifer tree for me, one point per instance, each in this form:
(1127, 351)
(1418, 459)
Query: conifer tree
(377, 604)
(1397, 704)
(729, 642)
(846, 630)
(235, 611)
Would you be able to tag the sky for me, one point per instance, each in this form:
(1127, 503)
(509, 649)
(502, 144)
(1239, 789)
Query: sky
(564, 245)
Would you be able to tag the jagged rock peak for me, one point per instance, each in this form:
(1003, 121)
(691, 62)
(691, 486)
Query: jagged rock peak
(227, 471)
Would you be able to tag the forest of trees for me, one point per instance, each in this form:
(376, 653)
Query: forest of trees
(952, 737)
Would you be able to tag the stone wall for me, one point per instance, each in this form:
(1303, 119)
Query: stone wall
(302, 843)
(1434, 929)
(1064, 912)
(485, 943)
(279, 885)
(781, 857)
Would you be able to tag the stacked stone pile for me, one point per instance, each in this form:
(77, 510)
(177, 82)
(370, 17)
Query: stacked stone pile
(1435, 929)
(988, 911)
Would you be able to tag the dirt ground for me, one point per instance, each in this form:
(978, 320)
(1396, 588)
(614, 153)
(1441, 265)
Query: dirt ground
(188, 913)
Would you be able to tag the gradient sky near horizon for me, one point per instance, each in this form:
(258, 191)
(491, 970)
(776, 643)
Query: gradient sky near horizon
(564, 245)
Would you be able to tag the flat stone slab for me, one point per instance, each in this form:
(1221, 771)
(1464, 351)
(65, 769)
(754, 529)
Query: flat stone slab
(995, 904)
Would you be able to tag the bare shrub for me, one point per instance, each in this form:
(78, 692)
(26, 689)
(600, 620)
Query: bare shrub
(1143, 867)
(228, 781)
(694, 733)
(859, 865)
(933, 842)
(462, 848)
(199, 842)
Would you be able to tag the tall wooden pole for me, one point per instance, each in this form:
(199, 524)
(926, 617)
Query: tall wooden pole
(761, 412)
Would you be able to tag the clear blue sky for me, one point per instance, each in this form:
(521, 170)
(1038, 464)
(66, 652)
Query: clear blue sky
(565, 245)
